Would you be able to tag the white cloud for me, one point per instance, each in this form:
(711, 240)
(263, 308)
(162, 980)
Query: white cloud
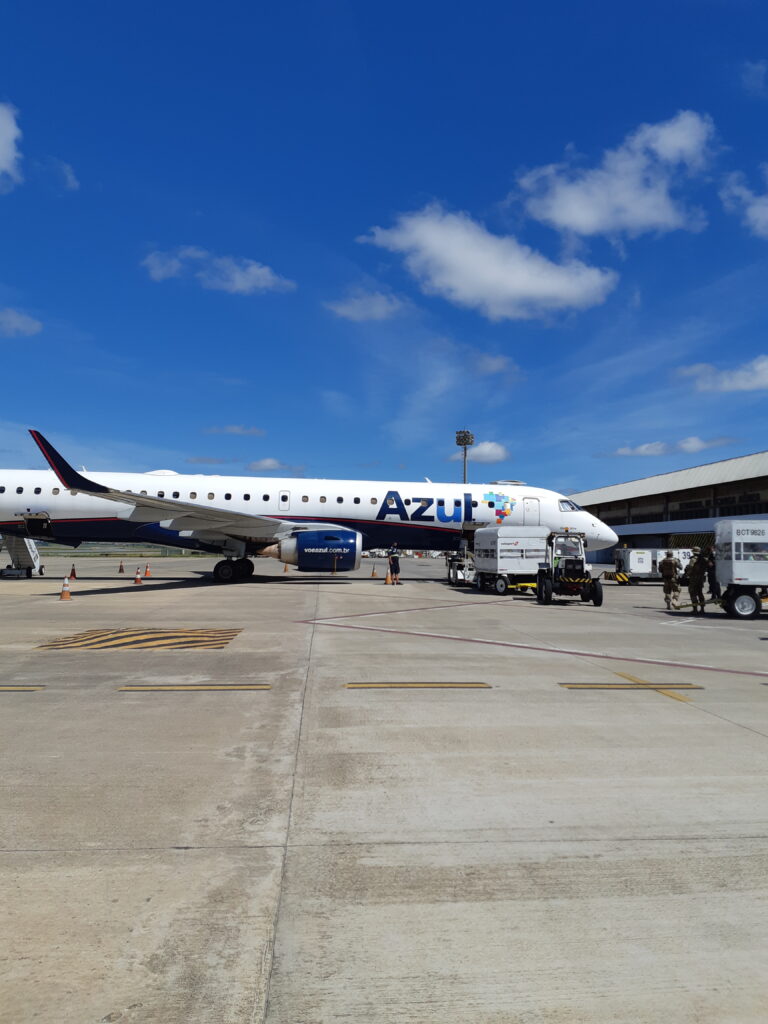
(10, 157)
(488, 365)
(234, 274)
(14, 324)
(455, 257)
(238, 430)
(265, 465)
(630, 191)
(651, 448)
(753, 77)
(697, 444)
(366, 306)
(737, 197)
(752, 376)
(67, 174)
(483, 451)
(691, 445)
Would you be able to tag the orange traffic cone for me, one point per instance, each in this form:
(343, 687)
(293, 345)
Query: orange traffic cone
(72, 573)
(389, 577)
(65, 594)
(122, 568)
(374, 574)
(286, 567)
(147, 573)
(138, 576)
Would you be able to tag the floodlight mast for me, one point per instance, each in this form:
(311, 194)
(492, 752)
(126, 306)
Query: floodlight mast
(465, 439)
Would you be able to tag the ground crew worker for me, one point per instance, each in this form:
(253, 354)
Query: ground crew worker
(714, 585)
(670, 568)
(696, 574)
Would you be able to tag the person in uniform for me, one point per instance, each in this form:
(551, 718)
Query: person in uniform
(670, 568)
(696, 573)
(712, 581)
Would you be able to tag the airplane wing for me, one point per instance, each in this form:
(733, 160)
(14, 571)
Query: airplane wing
(187, 515)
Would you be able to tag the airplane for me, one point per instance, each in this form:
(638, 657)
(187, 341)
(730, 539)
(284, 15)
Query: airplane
(315, 525)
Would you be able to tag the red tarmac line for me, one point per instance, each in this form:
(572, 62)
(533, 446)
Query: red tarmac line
(545, 650)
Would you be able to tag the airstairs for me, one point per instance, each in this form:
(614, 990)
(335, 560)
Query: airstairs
(23, 554)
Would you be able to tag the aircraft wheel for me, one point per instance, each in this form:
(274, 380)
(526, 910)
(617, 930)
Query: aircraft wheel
(225, 571)
(249, 567)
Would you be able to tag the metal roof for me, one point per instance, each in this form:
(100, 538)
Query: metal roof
(745, 467)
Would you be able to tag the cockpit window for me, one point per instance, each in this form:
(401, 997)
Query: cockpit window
(569, 506)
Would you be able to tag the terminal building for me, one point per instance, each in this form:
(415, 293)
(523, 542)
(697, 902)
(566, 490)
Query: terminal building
(680, 509)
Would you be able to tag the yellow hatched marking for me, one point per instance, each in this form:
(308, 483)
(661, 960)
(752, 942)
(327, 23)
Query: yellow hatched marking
(176, 639)
(417, 686)
(171, 687)
(626, 686)
(20, 689)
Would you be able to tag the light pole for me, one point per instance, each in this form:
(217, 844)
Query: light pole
(465, 439)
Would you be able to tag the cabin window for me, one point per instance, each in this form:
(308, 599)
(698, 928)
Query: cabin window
(407, 501)
(265, 497)
(322, 499)
(161, 494)
(227, 497)
(474, 504)
(193, 495)
(457, 502)
(54, 491)
(140, 492)
(2, 490)
(340, 500)
(425, 502)
(356, 501)
(19, 490)
(305, 497)
(391, 502)
(374, 501)
(440, 502)
(491, 504)
(211, 495)
(246, 497)
(175, 494)
(38, 490)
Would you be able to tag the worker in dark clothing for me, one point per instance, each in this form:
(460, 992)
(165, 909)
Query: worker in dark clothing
(712, 581)
(696, 573)
(670, 569)
(393, 557)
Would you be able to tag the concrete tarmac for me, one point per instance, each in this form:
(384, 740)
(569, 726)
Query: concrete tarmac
(571, 827)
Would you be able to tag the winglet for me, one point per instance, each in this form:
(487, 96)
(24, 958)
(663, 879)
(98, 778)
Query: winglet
(69, 477)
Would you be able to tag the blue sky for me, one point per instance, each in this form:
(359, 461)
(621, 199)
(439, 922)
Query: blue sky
(319, 238)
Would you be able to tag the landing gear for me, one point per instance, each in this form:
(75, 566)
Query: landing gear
(229, 570)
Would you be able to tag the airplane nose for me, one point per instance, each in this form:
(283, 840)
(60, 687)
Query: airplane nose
(606, 536)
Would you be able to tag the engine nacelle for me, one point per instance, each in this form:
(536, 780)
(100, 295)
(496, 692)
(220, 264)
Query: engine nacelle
(331, 550)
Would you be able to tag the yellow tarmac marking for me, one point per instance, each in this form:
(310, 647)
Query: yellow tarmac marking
(172, 687)
(143, 639)
(417, 686)
(20, 689)
(636, 684)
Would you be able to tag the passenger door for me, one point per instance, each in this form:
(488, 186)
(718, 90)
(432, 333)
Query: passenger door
(531, 512)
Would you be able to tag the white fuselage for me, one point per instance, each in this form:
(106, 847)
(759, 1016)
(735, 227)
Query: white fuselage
(417, 515)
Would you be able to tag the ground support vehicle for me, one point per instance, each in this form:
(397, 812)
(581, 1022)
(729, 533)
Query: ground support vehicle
(635, 565)
(741, 560)
(531, 558)
(459, 568)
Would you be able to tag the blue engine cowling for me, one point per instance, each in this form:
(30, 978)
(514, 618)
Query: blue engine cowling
(328, 550)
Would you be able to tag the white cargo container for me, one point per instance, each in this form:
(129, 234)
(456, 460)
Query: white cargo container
(741, 559)
(643, 563)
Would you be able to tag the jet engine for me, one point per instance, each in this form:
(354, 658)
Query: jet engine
(328, 550)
